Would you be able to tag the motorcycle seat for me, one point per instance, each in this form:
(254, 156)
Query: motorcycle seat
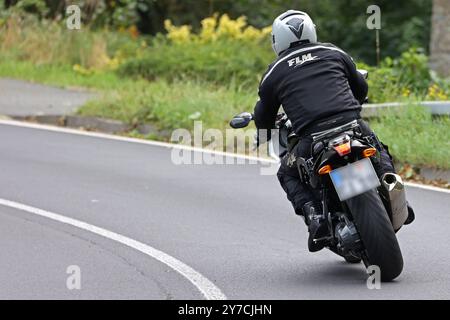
(316, 136)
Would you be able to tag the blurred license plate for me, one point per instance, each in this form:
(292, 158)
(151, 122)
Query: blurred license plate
(354, 179)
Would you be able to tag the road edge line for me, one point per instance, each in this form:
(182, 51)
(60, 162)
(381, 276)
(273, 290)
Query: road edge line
(426, 187)
(208, 289)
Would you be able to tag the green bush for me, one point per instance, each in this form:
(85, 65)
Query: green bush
(405, 78)
(412, 70)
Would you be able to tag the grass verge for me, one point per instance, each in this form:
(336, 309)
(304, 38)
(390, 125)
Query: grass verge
(416, 137)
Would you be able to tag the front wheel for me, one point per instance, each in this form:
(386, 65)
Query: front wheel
(377, 234)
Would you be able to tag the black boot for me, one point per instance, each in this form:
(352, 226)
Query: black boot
(317, 227)
(411, 214)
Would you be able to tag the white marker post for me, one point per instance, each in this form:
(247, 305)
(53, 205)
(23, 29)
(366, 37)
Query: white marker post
(374, 23)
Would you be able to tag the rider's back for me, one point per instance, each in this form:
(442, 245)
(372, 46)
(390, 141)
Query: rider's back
(312, 82)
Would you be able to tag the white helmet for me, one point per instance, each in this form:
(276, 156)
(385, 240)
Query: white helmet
(292, 27)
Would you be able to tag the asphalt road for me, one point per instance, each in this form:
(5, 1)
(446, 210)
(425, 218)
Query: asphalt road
(22, 98)
(228, 222)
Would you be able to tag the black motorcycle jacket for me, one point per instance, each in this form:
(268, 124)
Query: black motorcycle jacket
(311, 81)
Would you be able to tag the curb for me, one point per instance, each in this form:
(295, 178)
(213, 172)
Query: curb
(93, 124)
(435, 174)
(437, 108)
(87, 123)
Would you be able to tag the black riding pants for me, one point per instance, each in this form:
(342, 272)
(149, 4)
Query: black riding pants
(288, 175)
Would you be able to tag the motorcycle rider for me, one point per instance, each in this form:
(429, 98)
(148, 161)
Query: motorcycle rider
(319, 88)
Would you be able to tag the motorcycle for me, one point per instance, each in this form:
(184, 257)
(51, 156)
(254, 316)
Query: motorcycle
(363, 213)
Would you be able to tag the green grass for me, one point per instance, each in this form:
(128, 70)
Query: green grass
(414, 136)
(58, 75)
(171, 105)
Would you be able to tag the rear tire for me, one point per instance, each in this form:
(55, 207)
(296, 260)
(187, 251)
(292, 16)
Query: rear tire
(377, 234)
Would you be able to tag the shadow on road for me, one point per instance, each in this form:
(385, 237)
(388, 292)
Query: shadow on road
(336, 273)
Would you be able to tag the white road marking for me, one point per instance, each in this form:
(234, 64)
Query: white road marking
(205, 286)
(127, 139)
(427, 187)
(166, 145)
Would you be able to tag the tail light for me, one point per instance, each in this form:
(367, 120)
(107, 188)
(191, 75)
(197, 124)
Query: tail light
(341, 145)
(369, 152)
(343, 149)
(325, 169)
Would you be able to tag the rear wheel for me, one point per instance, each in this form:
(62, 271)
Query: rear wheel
(377, 235)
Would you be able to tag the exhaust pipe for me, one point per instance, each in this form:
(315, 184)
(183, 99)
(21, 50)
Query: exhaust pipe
(395, 192)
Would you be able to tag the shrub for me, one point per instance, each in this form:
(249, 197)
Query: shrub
(215, 29)
(405, 78)
(223, 51)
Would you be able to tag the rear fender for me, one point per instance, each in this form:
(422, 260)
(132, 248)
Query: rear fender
(358, 147)
(327, 157)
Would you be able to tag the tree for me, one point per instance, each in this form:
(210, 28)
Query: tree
(440, 38)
